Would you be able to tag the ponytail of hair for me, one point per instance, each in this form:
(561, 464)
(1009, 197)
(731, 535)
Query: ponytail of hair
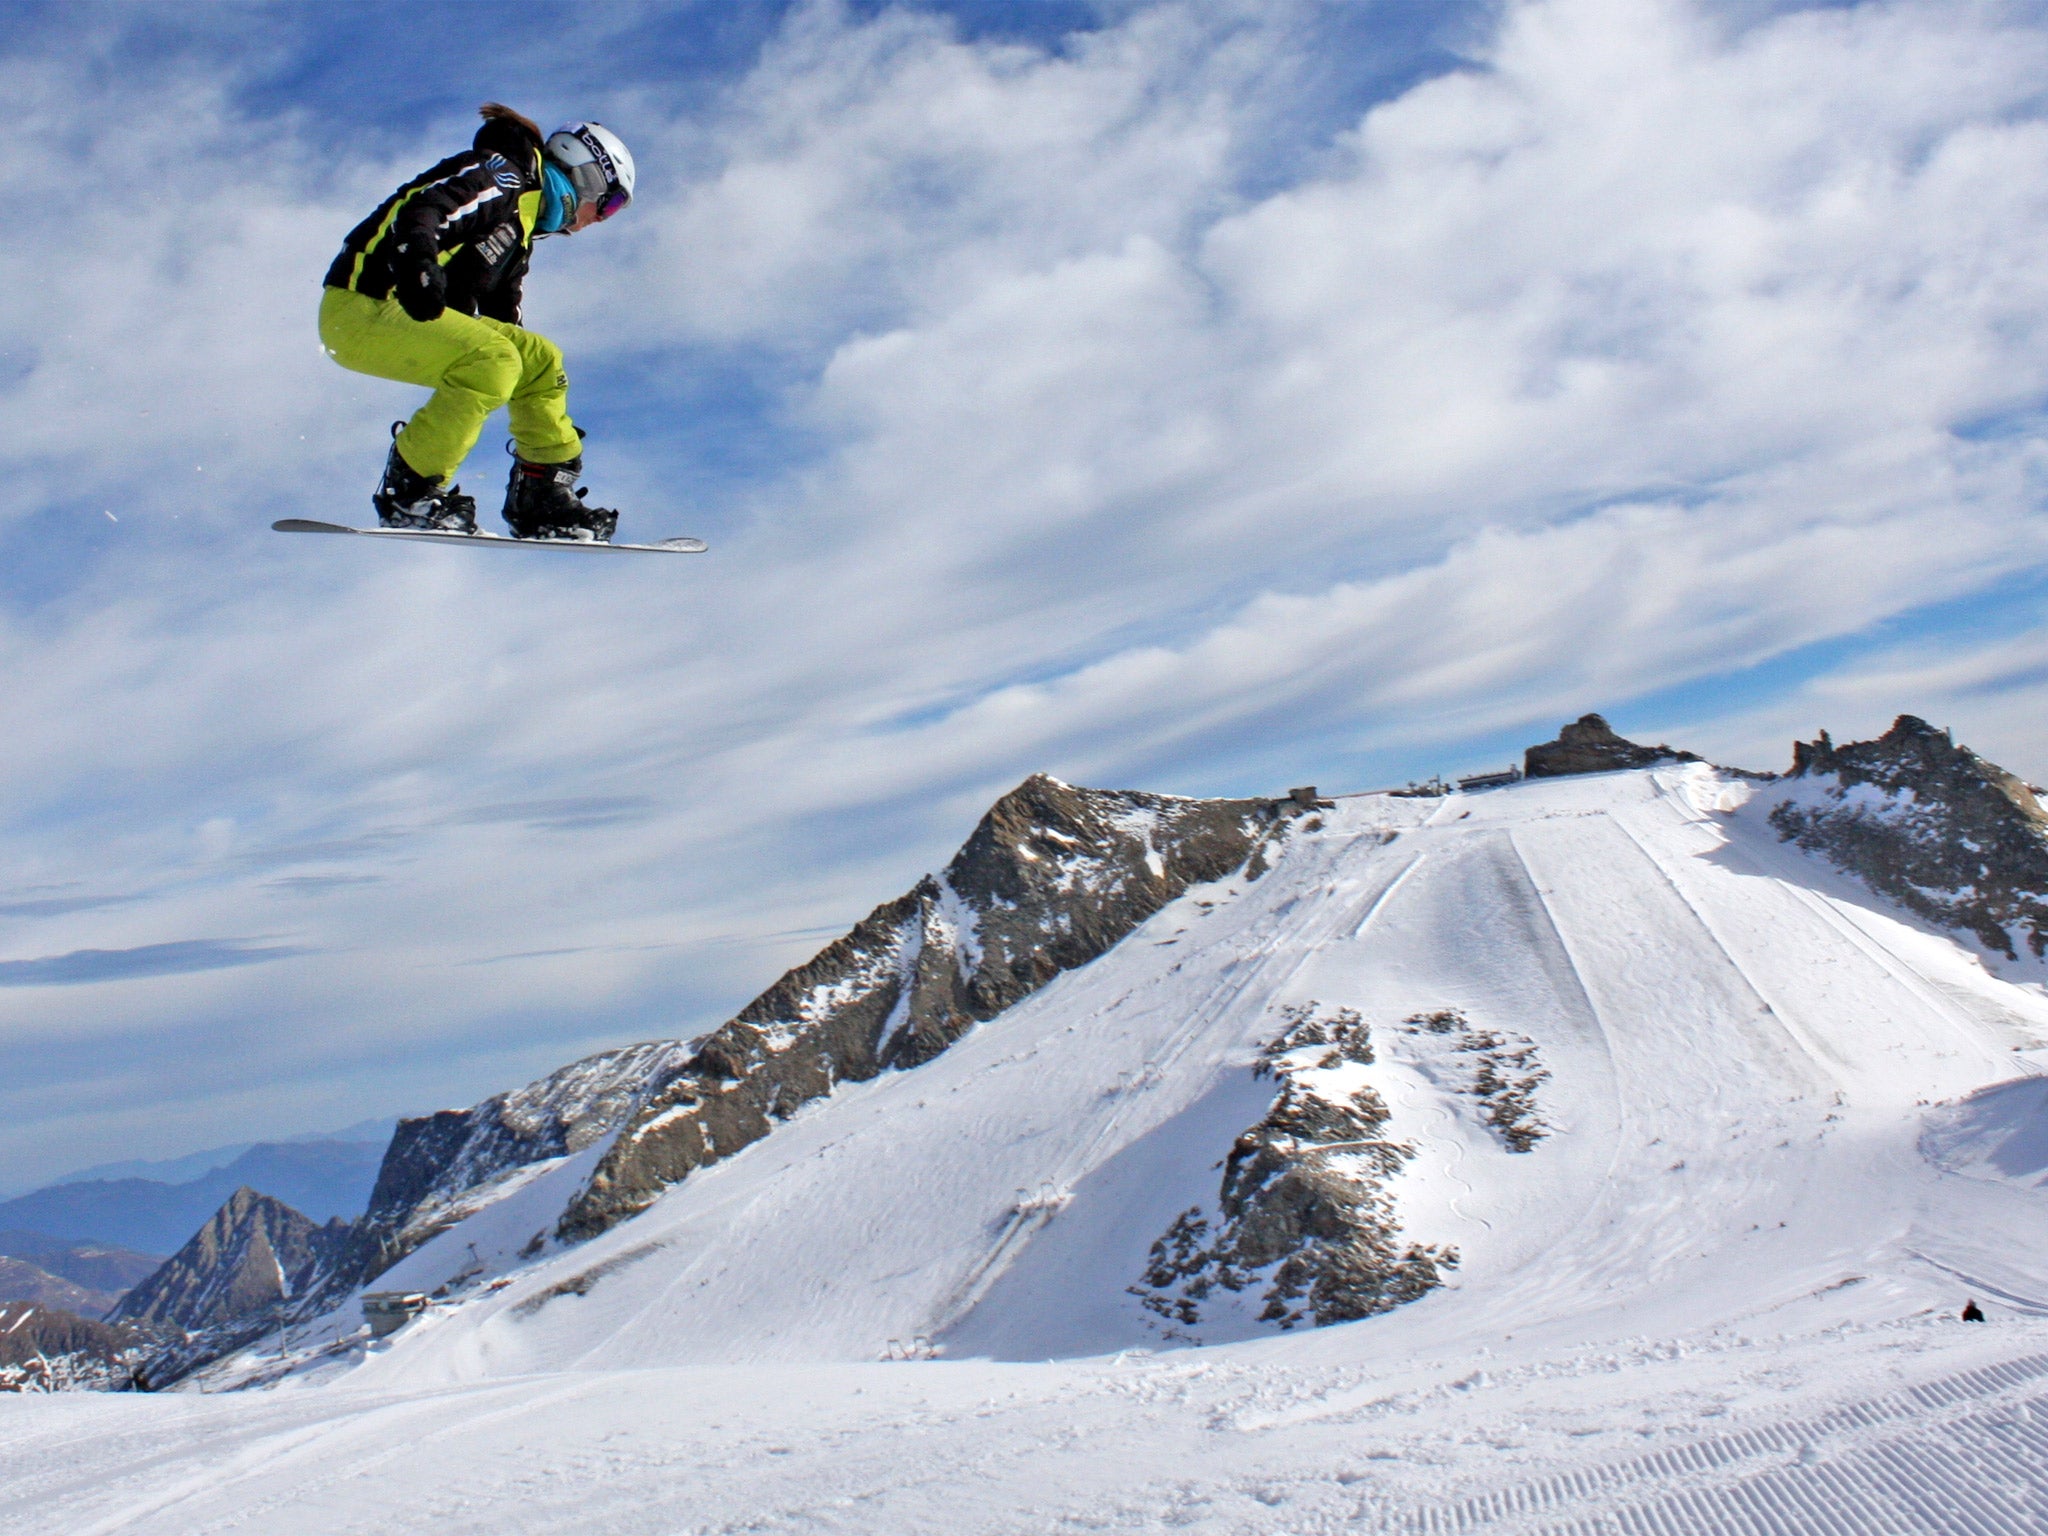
(497, 109)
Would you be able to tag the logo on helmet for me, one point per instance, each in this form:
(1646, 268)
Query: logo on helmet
(602, 155)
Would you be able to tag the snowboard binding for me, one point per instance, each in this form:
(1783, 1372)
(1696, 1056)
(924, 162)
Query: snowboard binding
(408, 499)
(543, 501)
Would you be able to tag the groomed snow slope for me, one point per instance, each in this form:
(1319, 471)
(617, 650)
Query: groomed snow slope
(1731, 1255)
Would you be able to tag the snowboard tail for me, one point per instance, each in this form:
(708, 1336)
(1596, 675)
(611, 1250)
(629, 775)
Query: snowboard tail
(676, 546)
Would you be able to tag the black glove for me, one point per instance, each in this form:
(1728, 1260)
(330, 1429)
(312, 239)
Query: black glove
(422, 292)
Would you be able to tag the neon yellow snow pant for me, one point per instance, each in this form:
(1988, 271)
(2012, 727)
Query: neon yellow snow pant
(473, 366)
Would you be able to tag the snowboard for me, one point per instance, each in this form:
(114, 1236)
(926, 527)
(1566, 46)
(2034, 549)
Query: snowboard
(679, 546)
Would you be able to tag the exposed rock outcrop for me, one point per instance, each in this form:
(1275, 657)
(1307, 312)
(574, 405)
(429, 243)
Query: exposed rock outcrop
(1932, 825)
(1303, 1209)
(1500, 1071)
(1590, 745)
(1050, 879)
(440, 1167)
(47, 1349)
(240, 1275)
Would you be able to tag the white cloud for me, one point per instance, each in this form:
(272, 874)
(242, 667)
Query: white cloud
(1621, 360)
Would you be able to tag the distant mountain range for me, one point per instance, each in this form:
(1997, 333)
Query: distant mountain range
(85, 1277)
(323, 1179)
(182, 1170)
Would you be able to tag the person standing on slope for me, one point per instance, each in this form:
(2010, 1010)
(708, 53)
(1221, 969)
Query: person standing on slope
(426, 291)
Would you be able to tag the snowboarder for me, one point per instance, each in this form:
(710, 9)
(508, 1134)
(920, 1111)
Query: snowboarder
(1972, 1313)
(426, 291)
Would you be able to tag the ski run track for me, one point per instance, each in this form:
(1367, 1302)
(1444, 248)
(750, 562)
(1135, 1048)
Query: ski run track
(1791, 1131)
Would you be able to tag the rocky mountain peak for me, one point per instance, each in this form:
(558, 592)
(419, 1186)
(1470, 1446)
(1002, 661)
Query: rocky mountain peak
(1053, 875)
(254, 1255)
(1914, 756)
(1590, 745)
(1050, 878)
(435, 1162)
(1932, 825)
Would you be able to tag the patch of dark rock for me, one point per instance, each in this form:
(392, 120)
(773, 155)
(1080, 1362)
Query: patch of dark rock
(580, 1284)
(1343, 1031)
(1943, 832)
(48, 1349)
(1505, 1074)
(1303, 1214)
(1590, 745)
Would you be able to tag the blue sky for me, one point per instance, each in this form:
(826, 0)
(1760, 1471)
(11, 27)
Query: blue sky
(1206, 396)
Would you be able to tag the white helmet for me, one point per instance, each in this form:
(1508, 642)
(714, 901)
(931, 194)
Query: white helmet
(598, 166)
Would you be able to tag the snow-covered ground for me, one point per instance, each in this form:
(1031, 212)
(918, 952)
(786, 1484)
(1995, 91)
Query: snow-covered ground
(1719, 1295)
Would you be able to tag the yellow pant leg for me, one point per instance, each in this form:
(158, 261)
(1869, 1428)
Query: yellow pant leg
(539, 407)
(472, 365)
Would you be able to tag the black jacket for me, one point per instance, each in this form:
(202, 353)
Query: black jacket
(474, 214)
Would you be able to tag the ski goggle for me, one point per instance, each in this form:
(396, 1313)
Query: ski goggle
(594, 183)
(593, 190)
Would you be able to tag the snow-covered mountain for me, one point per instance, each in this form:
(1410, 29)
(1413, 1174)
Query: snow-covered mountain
(1606, 1151)
(1286, 1074)
(235, 1278)
(1050, 879)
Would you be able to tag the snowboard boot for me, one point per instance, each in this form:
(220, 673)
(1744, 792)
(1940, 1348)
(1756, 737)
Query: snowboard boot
(408, 499)
(543, 501)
